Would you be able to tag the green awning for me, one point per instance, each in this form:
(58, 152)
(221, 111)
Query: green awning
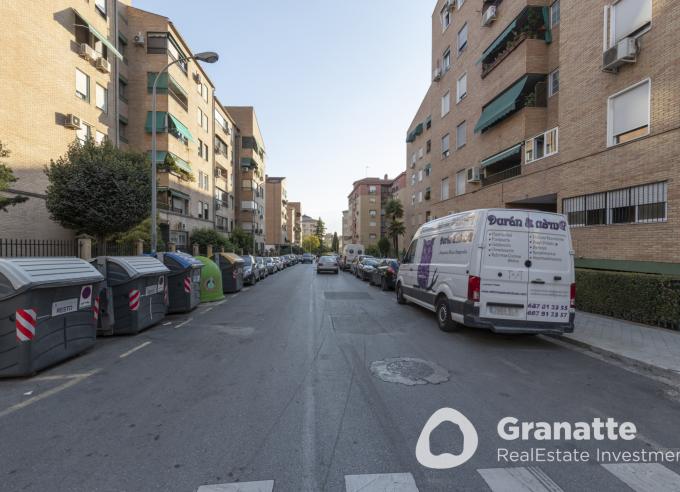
(99, 36)
(174, 192)
(500, 107)
(419, 129)
(498, 40)
(161, 85)
(179, 126)
(161, 122)
(181, 163)
(248, 162)
(123, 119)
(546, 23)
(411, 137)
(502, 155)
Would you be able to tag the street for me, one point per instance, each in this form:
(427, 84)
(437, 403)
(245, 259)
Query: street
(275, 384)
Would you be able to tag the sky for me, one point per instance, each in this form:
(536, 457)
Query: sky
(335, 84)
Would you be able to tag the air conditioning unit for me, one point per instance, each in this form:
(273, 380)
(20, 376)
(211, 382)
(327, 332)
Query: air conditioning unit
(139, 39)
(103, 65)
(489, 15)
(87, 52)
(437, 74)
(473, 175)
(72, 122)
(625, 51)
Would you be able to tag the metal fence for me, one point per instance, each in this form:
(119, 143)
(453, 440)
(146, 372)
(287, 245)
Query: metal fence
(38, 247)
(114, 248)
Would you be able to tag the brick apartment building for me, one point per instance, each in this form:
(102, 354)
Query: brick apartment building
(366, 205)
(571, 107)
(276, 233)
(102, 57)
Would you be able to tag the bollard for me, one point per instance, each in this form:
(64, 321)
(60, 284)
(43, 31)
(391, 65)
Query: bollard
(139, 247)
(172, 247)
(210, 250)
(85, 247)
(195, 249)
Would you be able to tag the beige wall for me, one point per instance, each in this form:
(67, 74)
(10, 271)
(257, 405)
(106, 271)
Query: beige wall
(294, 218)
(276, 225)
(366, 223)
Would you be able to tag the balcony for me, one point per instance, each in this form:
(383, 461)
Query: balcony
(531, 23)
(501, 166)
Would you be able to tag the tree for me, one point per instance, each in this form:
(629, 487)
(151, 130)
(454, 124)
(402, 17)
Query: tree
(6, 179)
(140, 231)
(310, 244)
(320, 232)
(242, 240)
(384, 246)
(205, 236)
(373, 250)
(98, 189)
(394, 211)
(335, 244)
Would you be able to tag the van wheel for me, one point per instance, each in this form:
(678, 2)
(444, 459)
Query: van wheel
(400, 295)
(444, 316)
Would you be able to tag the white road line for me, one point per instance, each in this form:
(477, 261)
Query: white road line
(183, 323)
(131, 351)
(205, 310)
(56, 377)
(642, 477)
(264, 486)
(168, 323)
(246, 289)
(381, 482)
(517, 368)
(220, 302)
(73, 381)
(519, 479)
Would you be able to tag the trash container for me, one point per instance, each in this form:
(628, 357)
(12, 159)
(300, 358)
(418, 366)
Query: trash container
(231, 266)
(211, 280)
(136, 293)
(184, 281)
(48, 312)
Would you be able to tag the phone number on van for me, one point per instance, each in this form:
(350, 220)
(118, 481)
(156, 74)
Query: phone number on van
(548, 310)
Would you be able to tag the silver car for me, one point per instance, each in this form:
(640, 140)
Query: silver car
(327, 264)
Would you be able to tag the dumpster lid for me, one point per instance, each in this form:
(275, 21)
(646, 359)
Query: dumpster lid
(24, 273)
(185, 260)
(232, 257)
(136, 266)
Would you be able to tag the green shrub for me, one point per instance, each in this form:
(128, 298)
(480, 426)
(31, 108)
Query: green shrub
(641, 297)
(206, 236)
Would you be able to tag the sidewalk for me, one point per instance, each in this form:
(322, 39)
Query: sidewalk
(648, 345)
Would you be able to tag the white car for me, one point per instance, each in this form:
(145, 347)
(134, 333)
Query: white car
(510, 271)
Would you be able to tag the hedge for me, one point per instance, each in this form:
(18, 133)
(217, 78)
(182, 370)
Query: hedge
(640, 297)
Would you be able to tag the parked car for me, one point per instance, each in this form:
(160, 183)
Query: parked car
(271, 266)
(261, 267)
(509, 271)
(307, 258)
(327, 264)
(355, 263)
(366, 267)
(385, 275)
(278, 263)
(250, 271)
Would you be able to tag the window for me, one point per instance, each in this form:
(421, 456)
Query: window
(413, 199)
(102, 98)
(445, 15)
(373, 223)
(628, 114)
(428, 123)
(205, 93)
(372, 189)
(162, 43)
(203, 210)
(445, 189)
(461, 88)
(554, 82)
(446, 60)
(84, 133)
(462, 38)
(122, 90)
(555, 14)
(428, 193)
(445, 145)
(122, 131)
(446, 104)
(428, 146)
(413, 179)
(101, 6)
(420, 197)
(200, 148)
(421, 153)
(461, 135)
(540, 146)
(373, 213)
(372, 200)
(461, 176)
(413, 159)
(428, 169)
(221, 148)
(427, 216)
(372, 236)
(637, 204)
(82, 86)
(199, 117)
(99, 137)
(206, 152)
(629, 18)
(420, 175)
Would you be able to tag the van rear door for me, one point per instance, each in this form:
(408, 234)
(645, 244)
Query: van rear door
(551, 270)
(503, 269)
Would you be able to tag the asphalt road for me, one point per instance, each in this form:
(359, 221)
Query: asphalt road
(275, 384)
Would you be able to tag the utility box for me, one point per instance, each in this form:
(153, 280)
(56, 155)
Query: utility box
(136, 293)
(231, 267)
(184, 281)
(48, 312)
(211, 281)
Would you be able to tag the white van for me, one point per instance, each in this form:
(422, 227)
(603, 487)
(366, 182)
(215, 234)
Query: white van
(349, 252)
(511, 271)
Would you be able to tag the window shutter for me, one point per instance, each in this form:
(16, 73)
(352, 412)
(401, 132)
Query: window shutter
(630, 110)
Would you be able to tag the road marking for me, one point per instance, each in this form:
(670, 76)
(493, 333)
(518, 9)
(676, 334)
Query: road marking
(131, 351)
(220, 302)
(55, 377)
(183, 323)
(246, 289)
(205, 310)
(642, 477)
(168, 323)
(264, 486)
(398, 482)
(519, 479)
(74, 379)
(514, 366)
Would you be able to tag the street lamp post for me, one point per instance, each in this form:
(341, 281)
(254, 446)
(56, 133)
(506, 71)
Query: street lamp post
(207, 57)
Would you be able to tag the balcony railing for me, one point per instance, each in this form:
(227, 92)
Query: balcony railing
(489, 179)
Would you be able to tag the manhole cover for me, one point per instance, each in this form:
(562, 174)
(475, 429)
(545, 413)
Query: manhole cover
(346, 295)
(409, 371)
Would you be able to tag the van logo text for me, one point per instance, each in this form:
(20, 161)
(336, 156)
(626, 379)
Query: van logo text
(528, 223)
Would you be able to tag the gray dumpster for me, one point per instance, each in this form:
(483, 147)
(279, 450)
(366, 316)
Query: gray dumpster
(231, 266)
(48, 311)
(136, 294)
(184, 281)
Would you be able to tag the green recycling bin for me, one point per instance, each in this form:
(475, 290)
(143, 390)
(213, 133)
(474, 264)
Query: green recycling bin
(211, 280)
